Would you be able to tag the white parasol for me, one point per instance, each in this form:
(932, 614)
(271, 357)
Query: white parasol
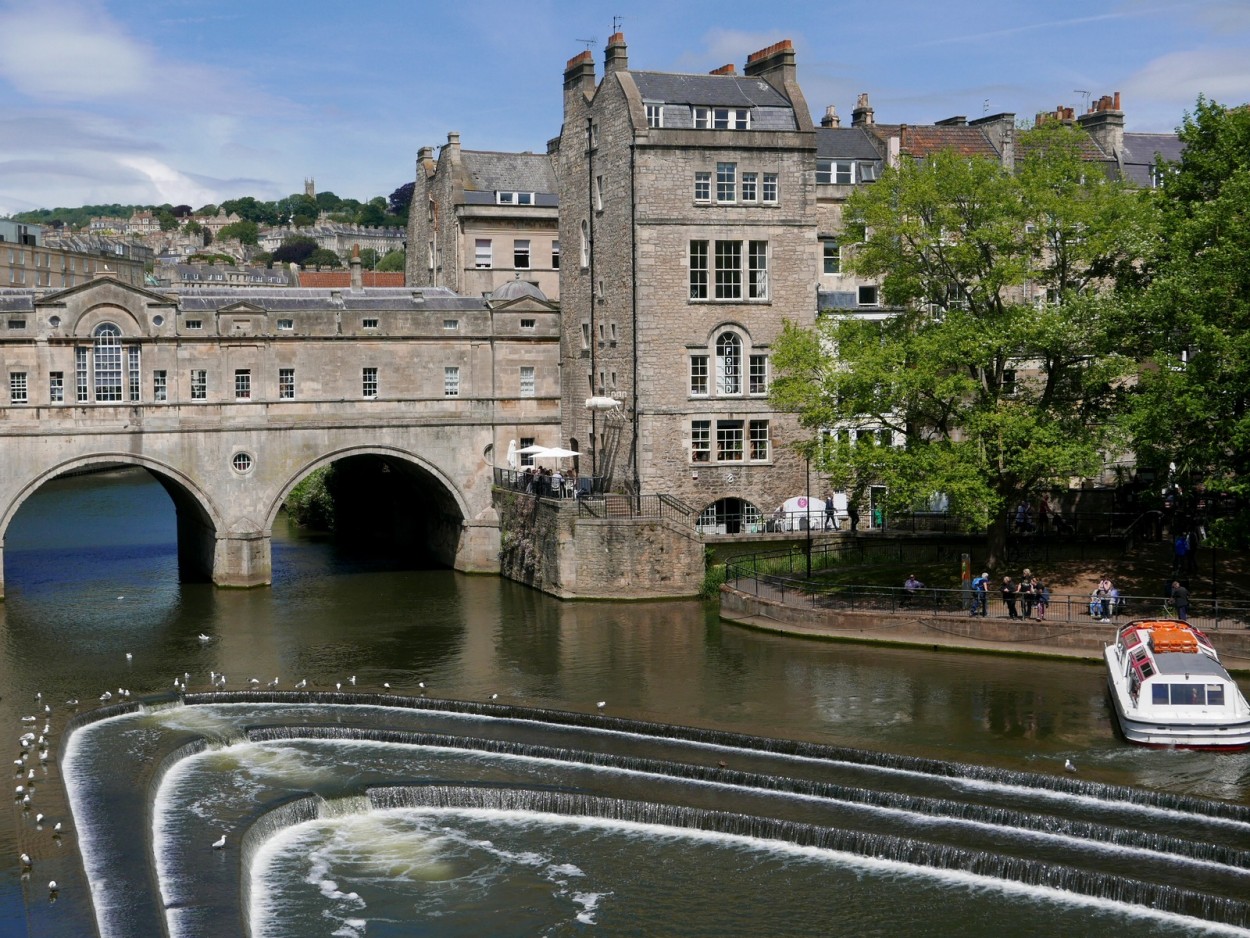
(513, 459)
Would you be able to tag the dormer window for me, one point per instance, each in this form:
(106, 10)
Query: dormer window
(514, 198)
(722, 118)
(655, 115)
(835, 172)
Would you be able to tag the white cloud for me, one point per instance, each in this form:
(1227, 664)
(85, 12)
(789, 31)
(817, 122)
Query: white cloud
(725, 47)
(169, 184)
(1179, 77)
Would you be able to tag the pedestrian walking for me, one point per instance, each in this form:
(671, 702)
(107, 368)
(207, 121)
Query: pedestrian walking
(980, 595)
(1180, 599)
(1009, 598)
(1041, 599)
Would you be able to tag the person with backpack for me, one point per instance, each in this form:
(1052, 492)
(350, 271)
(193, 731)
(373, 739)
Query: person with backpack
(980, 587)
(1041, 593)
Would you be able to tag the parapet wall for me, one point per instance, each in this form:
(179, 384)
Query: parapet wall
(552, 546)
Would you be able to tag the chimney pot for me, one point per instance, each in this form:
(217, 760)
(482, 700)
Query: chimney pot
(831, 118)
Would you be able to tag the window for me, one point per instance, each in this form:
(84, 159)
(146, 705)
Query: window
(703, 187)
(451, 381)
(195, 324)
(451, 325)
(286, 384)
(132, 361)
(758, 375)
(369, 323)
(698, 375)
(757, 270)
(521, 254)
(80, 374)
(700, 440)
(514, 198)
(835, 172)
(286, 325)
(722, 118)
(770, 188)
(199, 384)
(832, 252)
(749, 189)
(482, 255)
(655, 115)
(108, 363)
(726, 181)
(369, 383)
(242, 384)
(599, 193)
(527, 381)
(17, 323)
(728, 363)
(698, 270)
(729, 441)
(868, 296)
(19, 391)
(728, 270)
(758, 430)
(528, 324)
(1009, 382)
(585, 243)
(585, 335)
(555, 255)
(242, 462)
(56, 387)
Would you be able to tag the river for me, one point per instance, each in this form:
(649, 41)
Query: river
(93, 604)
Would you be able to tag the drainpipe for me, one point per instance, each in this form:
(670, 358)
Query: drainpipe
(633, 260)
(590, 233)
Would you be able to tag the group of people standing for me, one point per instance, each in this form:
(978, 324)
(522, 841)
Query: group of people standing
(551, 483)
(1027, 598)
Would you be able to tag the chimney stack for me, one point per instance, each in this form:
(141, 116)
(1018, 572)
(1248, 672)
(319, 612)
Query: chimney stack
(615, 56)
(862, 116)
(357, 281)
(579, 74)
(776, 60)
(1104, 121)
(729, 69)
(831, 118)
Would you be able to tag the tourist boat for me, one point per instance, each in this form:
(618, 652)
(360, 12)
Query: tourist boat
(1170, 689)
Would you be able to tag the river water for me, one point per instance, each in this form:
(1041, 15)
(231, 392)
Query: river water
(93, 605)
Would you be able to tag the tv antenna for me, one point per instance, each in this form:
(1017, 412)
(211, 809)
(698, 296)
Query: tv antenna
(985, 106)
(616, 24)
(587, 42)
(1084, 94)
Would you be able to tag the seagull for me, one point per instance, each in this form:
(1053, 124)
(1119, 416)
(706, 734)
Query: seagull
(39, 818)
(253, 680)
(129, 656)
(352, 680)
(273, 683)
(72, 702)
(56, 829)
(303, 682)
(601, 704)
(29, 719)
(421, 684)
(204, 638)
(1068, 766)
(52, 882)
(25, 861)
(494, 696)
(219, 842)
(386, 685)
(338, 685)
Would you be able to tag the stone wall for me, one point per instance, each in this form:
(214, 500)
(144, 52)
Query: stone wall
(551, 546)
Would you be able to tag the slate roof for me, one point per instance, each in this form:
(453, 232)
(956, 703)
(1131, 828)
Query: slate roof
(343, 278)
(1140, 151)
(312, 299)
(18, 300)
(714, 90)
(485, 172)
(920, 140)
(847, 143)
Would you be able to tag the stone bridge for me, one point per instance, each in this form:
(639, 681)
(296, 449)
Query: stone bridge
(229, 399)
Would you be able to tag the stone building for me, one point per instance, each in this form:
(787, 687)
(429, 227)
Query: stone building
(479, 219)
(31, 256)
(338, 237)
(688, 207)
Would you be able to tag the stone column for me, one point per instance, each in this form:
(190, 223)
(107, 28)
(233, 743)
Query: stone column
(243, 560)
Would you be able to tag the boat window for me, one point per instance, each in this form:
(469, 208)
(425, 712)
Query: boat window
(1215, 695)
(1146, 669)
(1188, 695)
(1159, 696)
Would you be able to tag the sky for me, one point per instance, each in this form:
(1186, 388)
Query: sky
(195, 102)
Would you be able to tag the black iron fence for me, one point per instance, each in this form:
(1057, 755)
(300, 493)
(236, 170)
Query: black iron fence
(543, 485)
(635, 506)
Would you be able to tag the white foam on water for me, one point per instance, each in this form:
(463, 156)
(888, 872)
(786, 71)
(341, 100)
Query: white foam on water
(589, 901)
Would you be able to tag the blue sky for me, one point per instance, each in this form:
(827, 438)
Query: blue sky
(138, 101)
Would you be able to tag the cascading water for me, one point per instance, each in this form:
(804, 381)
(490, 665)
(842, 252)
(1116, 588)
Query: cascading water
(320, 795)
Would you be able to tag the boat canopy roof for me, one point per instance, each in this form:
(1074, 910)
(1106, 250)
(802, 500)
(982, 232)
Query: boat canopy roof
(1176, 662)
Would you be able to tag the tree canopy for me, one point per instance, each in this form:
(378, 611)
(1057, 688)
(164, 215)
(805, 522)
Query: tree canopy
(393, 261)
(998, 363)
(295, 250)
(247, 232)
(1193, 395)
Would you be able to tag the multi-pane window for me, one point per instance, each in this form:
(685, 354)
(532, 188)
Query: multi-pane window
(160, 385)
(726, 181)
(369, 322)
(835, 172)
(698, 270)
(286, 384)
(729, 441)
(749, 183)
(770, 188)
(555, 255)
(482, 254)
(722, 118)
(703, 187)
(527, 459)
(521, 254)
(199, 384)
(698, 375)
(758, 375)
(757, 270)
(108, 363)
(132, 362)
(242, 384)
(451, 381)
(528, 384)
(728, 270)
(19, 389)
(529, 324)
(369, 383)
(286, 325)
(80, 374)
(700, 440)
(655, 115)
(728, 363)
(832, 253)
(56, 387)
(758, 440)
(195, 324)
(514, 198)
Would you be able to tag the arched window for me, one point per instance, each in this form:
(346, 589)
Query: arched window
(728, 363)
(108, 363)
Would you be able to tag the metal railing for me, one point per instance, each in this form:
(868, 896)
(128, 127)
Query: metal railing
(1069, 608)
(635, 506)
(541, 485)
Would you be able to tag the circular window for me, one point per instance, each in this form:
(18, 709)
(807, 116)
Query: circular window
(158, 320)
(55, 322)
(242, 462)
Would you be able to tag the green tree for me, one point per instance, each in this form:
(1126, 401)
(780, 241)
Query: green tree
(167, 220)
(249, 209)
(393, 261)
(1192, 406)
(369, 258)
(372, 214)
(247, 232)
(323, 257)
(262, 259)
(295, 250)
(991, 394)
